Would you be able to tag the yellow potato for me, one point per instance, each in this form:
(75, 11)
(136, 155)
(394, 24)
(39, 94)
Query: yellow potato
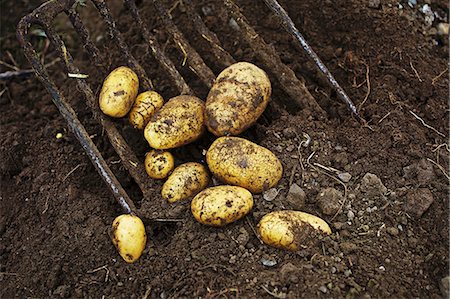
(129, 237)
(290, 229)
(237, 99)
(237, 161)
(179, 122)
(185, 181)
(220, 205)
(158, 164)
(146, 104)
(118, 92)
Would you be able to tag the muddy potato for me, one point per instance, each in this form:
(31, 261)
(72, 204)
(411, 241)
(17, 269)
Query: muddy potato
(146, 104)
(220, 205)
(179, 122)
(118, 92)
(129, 236)
(237, 99)
(185, 181)
(159, 164)
(290, 229)
(240, 162)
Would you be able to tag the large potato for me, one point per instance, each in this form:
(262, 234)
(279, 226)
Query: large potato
(129, 237)
(159, 164)
(218, 206)
(290, 229)
(237, 99)
(237, 161)
(179, 122)
(146, 104)
(185, 181)
(118, 92)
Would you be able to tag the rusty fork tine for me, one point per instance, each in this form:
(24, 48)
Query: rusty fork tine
(134, 64)
(289, 25)
(194, 60)
(223, 57)
(159, 55)
(296, 90)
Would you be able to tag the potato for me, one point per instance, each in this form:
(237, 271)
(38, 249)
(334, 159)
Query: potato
(146, 104)
(159, 164)
(129, 236)
(221, 205)
(118, 92)
(237, 99)
(290, 229)
(185, 181)
(179, 122)
(237, 161)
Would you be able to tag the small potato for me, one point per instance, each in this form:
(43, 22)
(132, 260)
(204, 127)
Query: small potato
(118, 92)
(240, 162)
(146, 104)
(179, 122)
(237, 99)
(291, 229)
(129, 236)
(185, 181)
(159, 164)
(220, 205)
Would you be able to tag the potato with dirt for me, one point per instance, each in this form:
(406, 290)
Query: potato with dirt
(185, 181)
(221, 205)
(129, 237)
(146, 104)
(159, 164)
(118, 92)
(240, 162)
(291, 229)
(239, 96)
(179, 122)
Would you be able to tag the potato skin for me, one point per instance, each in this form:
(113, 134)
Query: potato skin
(221, 205)
(239, 96)
(159, 164)
(185, 181)
(179, 122)
(240, 162)
(129, 236)
(118, 92)
(145, 105)
(290, 229)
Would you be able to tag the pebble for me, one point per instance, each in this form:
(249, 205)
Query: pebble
(365, 227)
(233, 24)
(296, 197)
(412, 3)
(374, 3)
(268, 261)
(288, 273)
(289, 132)
(444, 285)
(393, 231)
(442, 28)
(345, 177)
(350, 215)
(270, 194)
(329, 200)
(418, 201)
(348, 247)
(372, 185)
(348, 272)
(425, 172)
(323, 289)
(244, 237)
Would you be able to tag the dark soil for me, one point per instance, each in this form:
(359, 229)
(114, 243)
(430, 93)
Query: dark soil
(390, 238)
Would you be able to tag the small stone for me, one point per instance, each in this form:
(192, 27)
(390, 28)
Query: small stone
(270, 194)
(374, 4)
(290, 148)
(329, 201)
(365, 227)
(393, 231)
(442, 28)
(348, 247)
(444, 285)
(348, 272)
(288, 273)
(243, 238)
(339, 225)
(425, 172)
(296, 197)
(323, 289)
(62, 291)
(268, 261)
(372, 185)
(412, 3)
(233, 24)
(350, 215)
(418, 202)
(345, 177)
(221, 236)
(289, 132)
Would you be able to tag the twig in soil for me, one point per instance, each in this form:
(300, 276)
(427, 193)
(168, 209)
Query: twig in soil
(147, 292)
(11, 58)
(291, 178)
(45, 206)
(20, 73)
(426, 125)
(105, 267)
(384, 117)
(435, 79)
(276, 295)
(368, 87)
(223, 292)
(415, 71)
(72, 171)
(77, 76)
(440, 168)
(167, 220)
(253, 230)
(184, 54)
(379, 230)
(9, 65)
(9, 273)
